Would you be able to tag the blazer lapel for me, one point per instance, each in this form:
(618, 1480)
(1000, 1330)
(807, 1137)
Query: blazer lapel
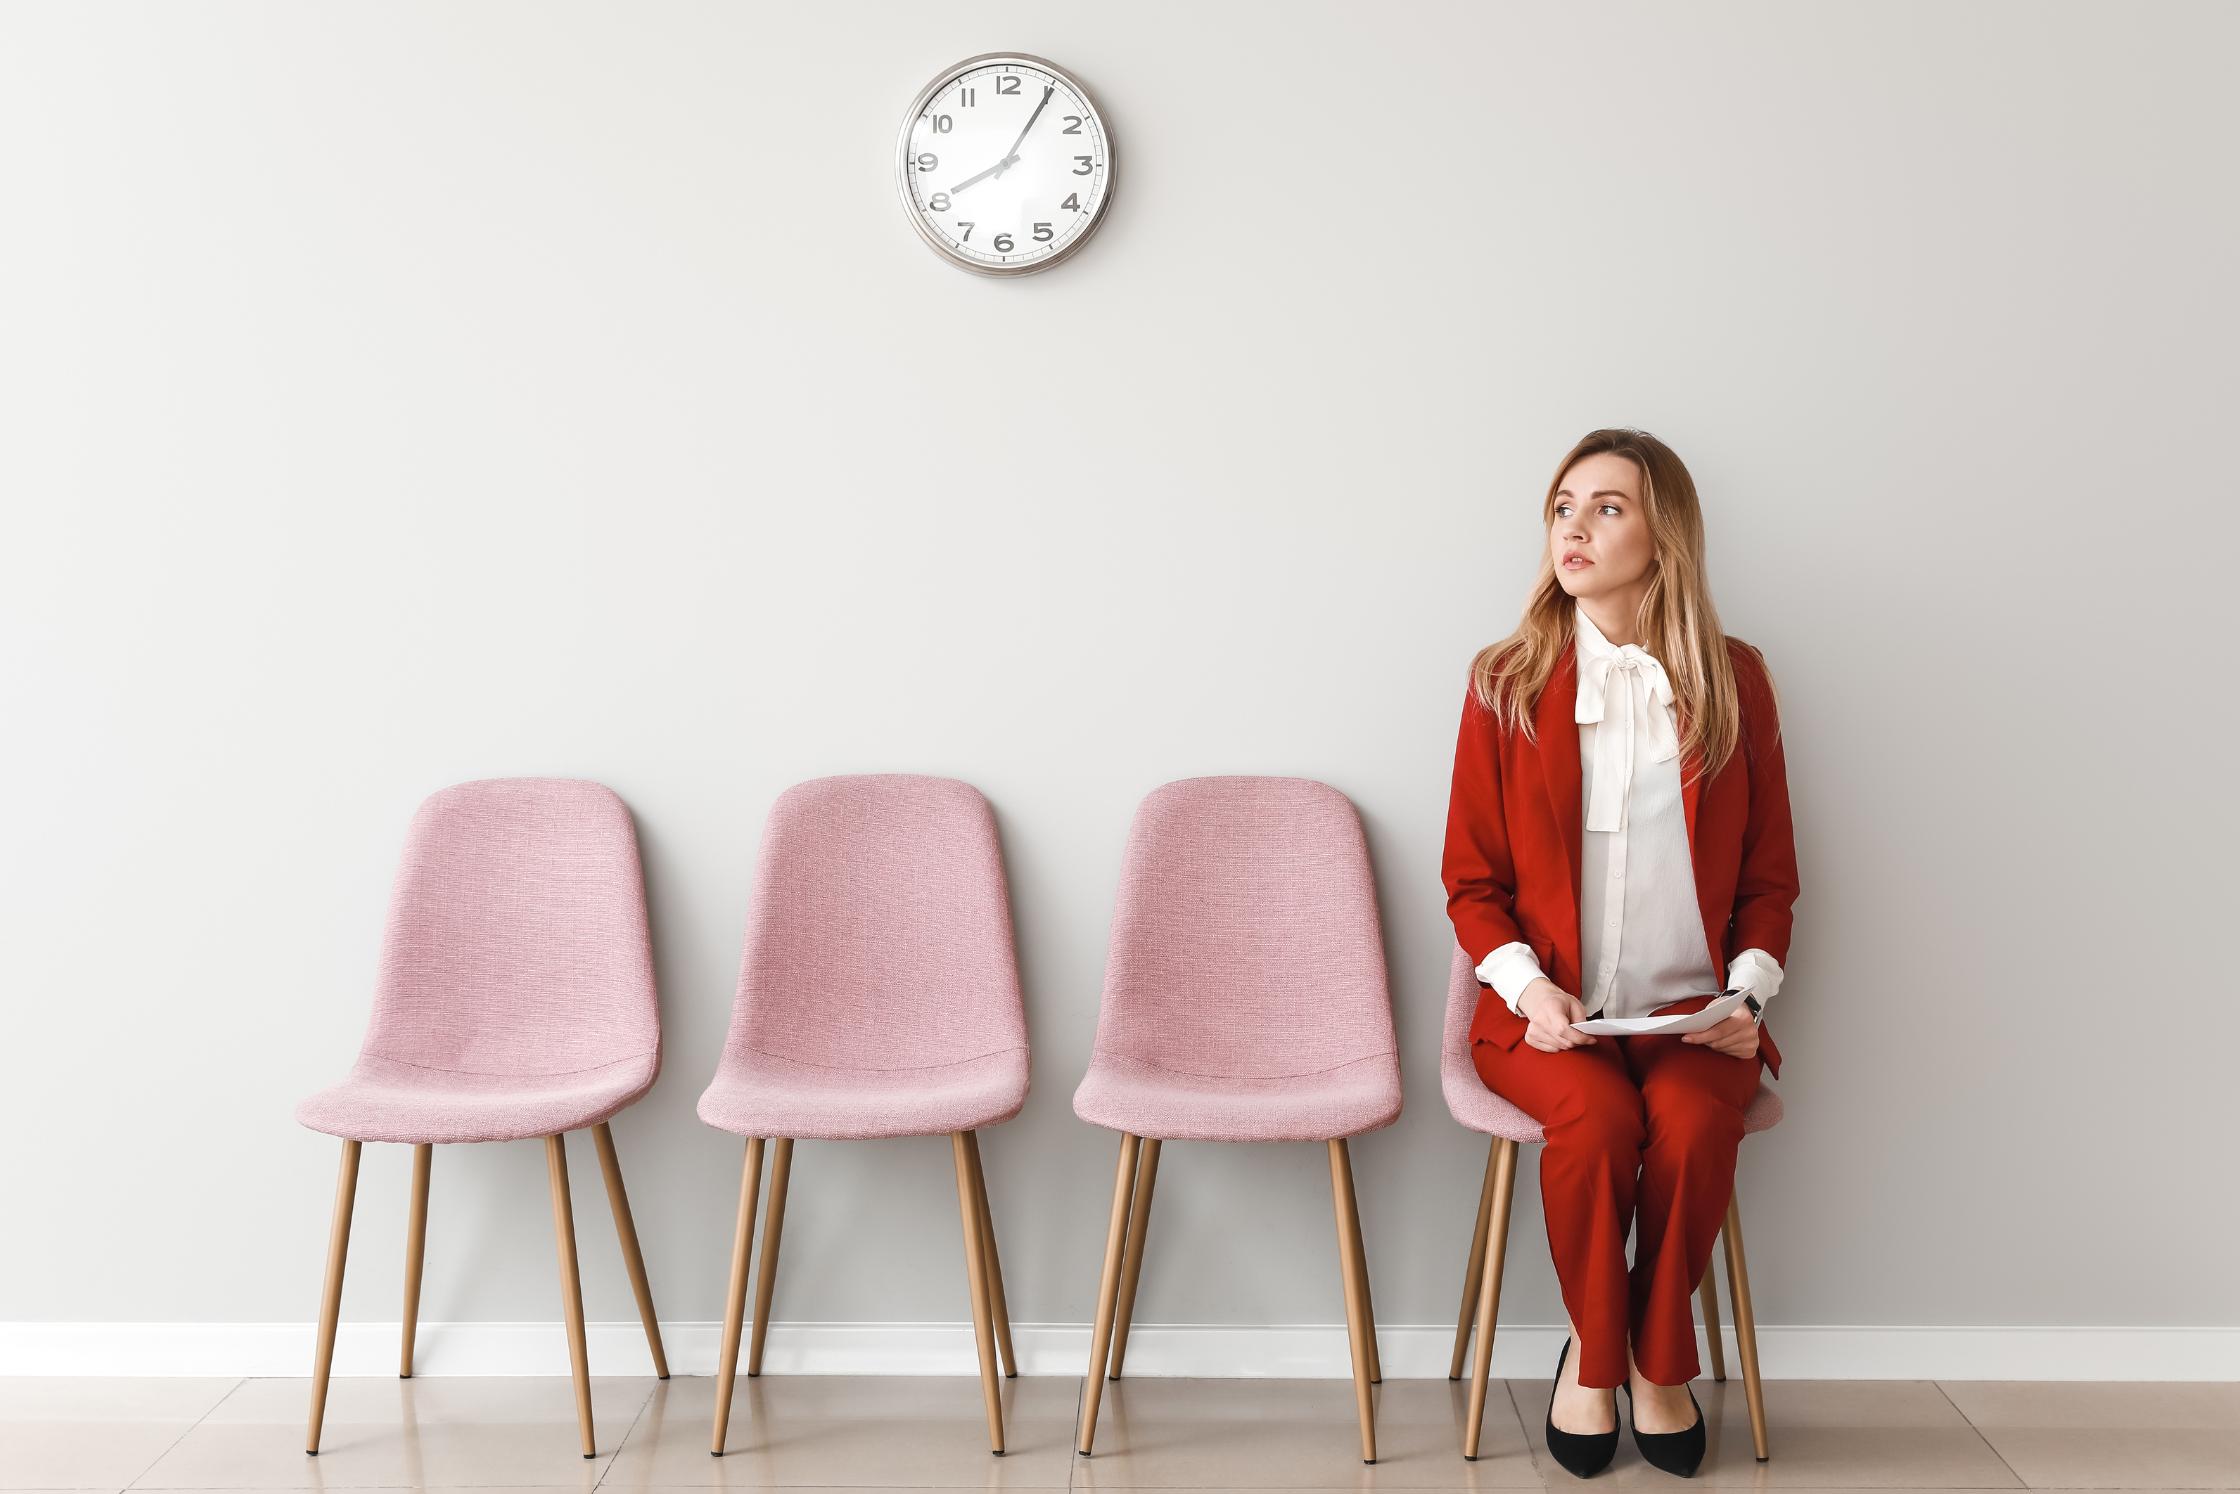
(1691, 796)
(1558, 749)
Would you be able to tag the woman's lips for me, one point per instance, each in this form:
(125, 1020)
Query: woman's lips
(1576, 562)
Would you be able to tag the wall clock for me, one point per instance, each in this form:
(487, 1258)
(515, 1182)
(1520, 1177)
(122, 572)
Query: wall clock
(1005, 165)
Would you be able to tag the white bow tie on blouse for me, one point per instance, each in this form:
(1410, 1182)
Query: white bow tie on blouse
(1627, 691)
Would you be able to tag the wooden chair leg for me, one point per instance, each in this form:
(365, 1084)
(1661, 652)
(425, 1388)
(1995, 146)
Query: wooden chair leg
(976, 1278)
(1476, 1263)
(415, 1251)
(996, 1298)
(773, 1227)
(626, 1230)
(1108, 1291)
(1139, 1226)
(1708, 1296)
(330, 1301)
(1361, 1257)
(1359, 1327)
(571, 1285)
(735, 1304)
(1745, 1325)
(1489, 1292)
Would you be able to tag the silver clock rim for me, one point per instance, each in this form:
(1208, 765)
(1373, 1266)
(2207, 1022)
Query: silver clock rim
(927, 94)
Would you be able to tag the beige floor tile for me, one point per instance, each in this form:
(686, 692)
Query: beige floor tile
(434, 1432)
(882, 1431)
(2109, 1435)
(71, 1433)
(451, 1400)
(837, 1435)
(1822, 1434)
(1298, 1434)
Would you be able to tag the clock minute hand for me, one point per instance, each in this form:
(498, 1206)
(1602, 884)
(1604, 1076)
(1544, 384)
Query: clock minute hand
(1012, 154)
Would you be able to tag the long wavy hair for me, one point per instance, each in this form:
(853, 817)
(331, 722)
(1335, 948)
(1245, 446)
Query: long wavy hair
(1677, 622)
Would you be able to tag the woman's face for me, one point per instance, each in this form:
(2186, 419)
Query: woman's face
(1599, 518)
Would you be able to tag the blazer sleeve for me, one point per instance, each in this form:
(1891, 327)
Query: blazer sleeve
(1766, 889)
(1480, 876)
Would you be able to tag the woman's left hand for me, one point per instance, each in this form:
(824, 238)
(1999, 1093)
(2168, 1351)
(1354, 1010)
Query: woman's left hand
(1737, 1036)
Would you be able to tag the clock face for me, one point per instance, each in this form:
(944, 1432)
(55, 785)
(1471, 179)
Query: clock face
(1005, 165)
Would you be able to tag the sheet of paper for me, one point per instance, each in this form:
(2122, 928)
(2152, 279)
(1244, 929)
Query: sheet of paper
(1711, 1016)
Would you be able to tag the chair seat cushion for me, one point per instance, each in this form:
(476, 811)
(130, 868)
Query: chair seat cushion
(389, 1100)
(762, 1094)
(1128, 1094)
(1482, 1110)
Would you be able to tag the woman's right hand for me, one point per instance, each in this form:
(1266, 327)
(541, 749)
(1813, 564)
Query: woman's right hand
(1551, 1010)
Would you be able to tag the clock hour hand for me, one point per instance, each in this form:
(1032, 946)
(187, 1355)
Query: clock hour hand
(1012, 154)
(983, 176)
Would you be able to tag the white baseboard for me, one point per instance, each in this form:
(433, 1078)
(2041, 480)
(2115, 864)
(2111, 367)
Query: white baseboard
(1521, 1351)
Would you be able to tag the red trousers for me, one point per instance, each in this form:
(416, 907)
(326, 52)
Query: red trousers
(1647, 1105)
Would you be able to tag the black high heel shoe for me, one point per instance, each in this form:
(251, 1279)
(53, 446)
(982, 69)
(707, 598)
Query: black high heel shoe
(1678, 1452)
(1582, 1454)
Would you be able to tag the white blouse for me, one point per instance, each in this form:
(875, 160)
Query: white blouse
(1640, 927)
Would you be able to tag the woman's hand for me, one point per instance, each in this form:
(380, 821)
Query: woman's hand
(1551, 1010)
(1737, 1036)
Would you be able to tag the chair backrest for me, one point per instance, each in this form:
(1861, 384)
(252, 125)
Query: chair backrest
(1458, 1077)
(516, 941)
(1245, 938)
(879, 935)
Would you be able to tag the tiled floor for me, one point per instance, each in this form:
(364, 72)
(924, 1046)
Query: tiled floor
(836, 1434)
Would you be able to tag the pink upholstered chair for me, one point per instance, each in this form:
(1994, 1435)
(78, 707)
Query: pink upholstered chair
(878, 996)
(515, 1000)
(1481, 1110)
(1244, 1000)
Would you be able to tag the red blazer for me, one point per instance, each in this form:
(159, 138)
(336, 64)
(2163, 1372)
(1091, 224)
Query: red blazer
(1514, 830)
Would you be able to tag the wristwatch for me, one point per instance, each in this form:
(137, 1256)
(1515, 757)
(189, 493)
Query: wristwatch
(1756, 1011)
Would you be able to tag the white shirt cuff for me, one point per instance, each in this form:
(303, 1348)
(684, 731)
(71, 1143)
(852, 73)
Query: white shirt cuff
(1509, 970)
(1757, 972)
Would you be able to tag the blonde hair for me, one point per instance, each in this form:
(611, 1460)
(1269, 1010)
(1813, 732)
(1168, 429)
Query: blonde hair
(1677, 622)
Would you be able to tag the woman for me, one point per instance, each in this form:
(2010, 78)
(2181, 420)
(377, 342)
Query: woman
(1618, 840)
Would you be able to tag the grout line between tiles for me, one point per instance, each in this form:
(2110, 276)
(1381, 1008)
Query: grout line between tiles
(1073, 1437)
(134, 1481)
(629, 1432)
(1524, 1433)
(2019, 1481)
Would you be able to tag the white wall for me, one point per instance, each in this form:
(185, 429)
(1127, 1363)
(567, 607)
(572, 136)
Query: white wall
(398, 394)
